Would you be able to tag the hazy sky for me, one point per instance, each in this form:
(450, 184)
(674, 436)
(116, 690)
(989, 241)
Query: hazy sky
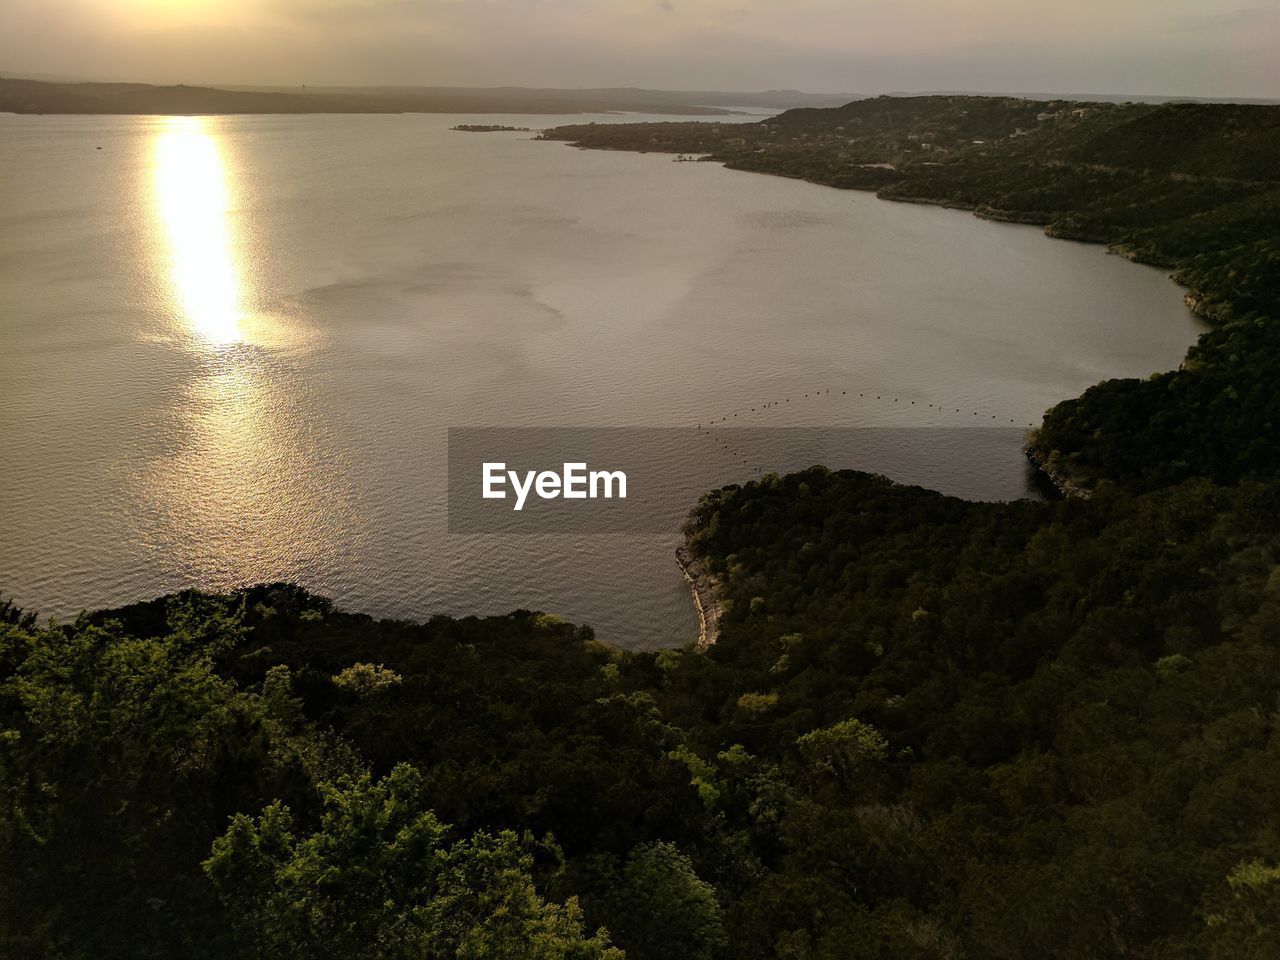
(1180, 47)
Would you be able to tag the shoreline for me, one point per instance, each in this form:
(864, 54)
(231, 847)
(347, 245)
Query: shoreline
(702, 589)
(1067, 486)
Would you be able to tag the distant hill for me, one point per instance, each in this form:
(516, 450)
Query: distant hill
(963, 150)
(628, 98)
(1083, 97)
(39, 96)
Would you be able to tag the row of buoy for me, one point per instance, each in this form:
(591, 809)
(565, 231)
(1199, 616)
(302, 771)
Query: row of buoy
(777, 403)
(735, 453)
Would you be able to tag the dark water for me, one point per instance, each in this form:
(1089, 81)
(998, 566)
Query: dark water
(231, 348)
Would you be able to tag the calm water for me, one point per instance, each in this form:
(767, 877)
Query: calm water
(231, 347)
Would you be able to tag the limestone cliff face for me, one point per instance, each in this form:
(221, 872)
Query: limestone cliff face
(702, 586)
(1204, 307)
(1044, 461)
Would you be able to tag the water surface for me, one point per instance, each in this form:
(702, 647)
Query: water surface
(231, 347)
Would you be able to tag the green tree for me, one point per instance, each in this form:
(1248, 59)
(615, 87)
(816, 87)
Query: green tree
(379, 879)
(1242, 918)
(660, 908)
(119, 756)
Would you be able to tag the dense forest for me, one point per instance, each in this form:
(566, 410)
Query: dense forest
(930, 729)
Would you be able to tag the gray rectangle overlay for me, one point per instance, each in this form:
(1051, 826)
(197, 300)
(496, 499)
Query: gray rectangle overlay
(668, 469)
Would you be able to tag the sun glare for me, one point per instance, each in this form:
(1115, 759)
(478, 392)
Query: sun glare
(192, 202)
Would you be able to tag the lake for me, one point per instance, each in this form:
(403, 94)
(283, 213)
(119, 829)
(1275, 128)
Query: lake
(232, 347)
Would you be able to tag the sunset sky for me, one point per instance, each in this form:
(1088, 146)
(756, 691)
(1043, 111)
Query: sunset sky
(1148, 47)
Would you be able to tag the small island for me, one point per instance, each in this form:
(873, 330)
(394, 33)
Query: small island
(490, 128)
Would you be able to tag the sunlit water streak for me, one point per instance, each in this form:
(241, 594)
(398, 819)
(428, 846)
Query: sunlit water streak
(192, 202)
(244, 491)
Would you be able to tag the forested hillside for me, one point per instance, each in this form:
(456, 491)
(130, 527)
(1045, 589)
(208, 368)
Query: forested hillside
(930, 728)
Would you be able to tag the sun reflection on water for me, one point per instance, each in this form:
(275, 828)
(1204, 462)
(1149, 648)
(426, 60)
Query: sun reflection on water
(192, 200)
(247, 485)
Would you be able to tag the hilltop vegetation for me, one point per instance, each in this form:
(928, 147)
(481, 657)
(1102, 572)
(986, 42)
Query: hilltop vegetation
(930, 729)
(1031, 718)
(173, 784)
